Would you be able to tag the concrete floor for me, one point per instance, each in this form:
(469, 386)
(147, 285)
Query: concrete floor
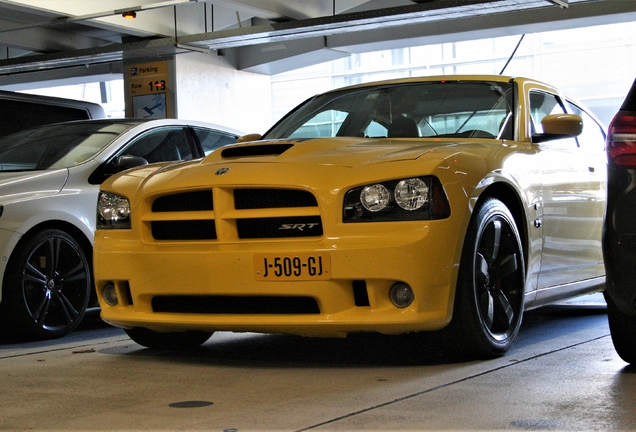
(562, 374)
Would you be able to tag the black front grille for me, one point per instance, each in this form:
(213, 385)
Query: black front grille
(184, 230)
(272, 198)
(237, 305)
(185, 201)
(279, 227)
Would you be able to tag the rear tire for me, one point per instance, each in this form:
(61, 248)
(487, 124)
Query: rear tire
(490, 288)
(623, 330)
(170, 341)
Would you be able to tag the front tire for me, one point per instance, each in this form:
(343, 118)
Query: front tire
(170, 341)
(47, 285)
(623, 330)
(490, 289)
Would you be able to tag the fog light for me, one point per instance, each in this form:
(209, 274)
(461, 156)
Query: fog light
(401, 295)
(110, 294)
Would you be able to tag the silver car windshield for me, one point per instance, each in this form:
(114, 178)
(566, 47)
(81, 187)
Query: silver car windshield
(57, 146)
(447, 109)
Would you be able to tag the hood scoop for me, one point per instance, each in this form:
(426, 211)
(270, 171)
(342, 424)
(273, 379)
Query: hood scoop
(255, 150)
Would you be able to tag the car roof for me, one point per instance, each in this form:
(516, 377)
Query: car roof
(435, 78)
(132, 122)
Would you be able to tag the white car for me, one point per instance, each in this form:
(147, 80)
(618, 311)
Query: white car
(49, 182)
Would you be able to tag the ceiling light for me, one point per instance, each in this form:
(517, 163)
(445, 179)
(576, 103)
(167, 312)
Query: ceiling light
(129, 15)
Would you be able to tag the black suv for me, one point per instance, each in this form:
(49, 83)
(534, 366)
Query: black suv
(619, 240)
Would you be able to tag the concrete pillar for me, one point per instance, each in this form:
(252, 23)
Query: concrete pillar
(210, 89)
(198, 86)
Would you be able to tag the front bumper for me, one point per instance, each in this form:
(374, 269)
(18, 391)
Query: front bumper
(176, 286)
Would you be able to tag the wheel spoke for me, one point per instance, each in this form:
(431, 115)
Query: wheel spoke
(32, 274)
(487, 308)
(504, 312)
(481, 269)
(49, 256)
(76, 273)
(70, 313)
(42, 310)
(496, 240)
(505, 267)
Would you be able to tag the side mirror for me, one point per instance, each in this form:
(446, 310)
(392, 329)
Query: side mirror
(127, 161)
(248, 138)
(558, 126)
(122, 163)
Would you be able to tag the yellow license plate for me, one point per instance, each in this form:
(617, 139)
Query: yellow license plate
(301, 266)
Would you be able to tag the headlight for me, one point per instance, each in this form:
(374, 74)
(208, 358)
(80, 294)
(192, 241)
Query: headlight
(417, 198)
(375, 197)
(411, 194)
(113, 211)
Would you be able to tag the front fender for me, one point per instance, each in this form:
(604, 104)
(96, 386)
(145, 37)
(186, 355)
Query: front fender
(513, 178)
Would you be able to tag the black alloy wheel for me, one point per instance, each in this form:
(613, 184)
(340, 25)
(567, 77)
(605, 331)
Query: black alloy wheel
(490, 288)
(47, 286)
(168, 341)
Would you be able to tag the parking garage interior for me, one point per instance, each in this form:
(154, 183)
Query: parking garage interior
(244, 64)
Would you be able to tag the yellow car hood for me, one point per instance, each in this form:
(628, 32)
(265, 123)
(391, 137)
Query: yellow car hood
(346, 152)
(328, 163)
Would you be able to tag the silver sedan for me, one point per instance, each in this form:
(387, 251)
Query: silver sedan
(49, 181)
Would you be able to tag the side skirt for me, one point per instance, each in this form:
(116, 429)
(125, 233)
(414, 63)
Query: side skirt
(557, 293)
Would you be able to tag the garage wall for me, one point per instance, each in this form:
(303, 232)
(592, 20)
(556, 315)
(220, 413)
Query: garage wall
(593, 64)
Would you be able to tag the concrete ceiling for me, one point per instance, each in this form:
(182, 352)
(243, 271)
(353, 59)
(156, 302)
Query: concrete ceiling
(52, 40)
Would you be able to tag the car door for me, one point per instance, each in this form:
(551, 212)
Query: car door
(592, 145)
(569, 191)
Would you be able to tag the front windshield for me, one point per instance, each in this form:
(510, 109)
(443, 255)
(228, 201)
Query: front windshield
(471, 109)
(57, 146)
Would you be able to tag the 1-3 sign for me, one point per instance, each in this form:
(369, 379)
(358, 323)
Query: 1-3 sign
(157, 85)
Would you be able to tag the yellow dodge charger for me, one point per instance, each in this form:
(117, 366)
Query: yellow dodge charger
(449, 202)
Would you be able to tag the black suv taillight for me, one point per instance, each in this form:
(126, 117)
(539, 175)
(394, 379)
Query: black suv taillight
(621, 140)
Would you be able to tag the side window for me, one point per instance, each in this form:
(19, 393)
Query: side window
(163, 145)
(592, 139)
(541, 105)
(211, 139)
(545, 104)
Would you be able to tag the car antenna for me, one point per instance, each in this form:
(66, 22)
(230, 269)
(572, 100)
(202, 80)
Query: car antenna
(512, 55)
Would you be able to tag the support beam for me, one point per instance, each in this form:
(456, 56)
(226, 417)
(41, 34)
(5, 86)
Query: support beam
(345, 32)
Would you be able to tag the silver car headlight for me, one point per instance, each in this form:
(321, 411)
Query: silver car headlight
(113, 211)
